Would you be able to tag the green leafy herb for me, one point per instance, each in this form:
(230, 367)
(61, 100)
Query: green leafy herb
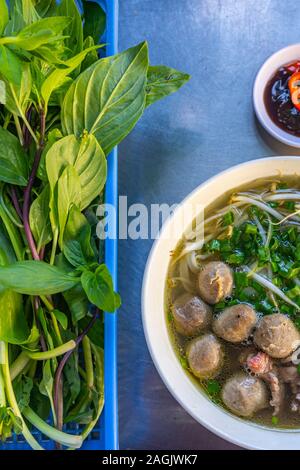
(62, 110)
(118, 83)
(36, 278)
(13, 161)
(162, 81)
(98, 287)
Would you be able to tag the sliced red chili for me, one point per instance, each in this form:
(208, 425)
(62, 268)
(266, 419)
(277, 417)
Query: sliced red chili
(294, 87)
(294, 67)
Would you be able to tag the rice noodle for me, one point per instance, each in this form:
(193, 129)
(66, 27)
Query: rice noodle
(263, 281)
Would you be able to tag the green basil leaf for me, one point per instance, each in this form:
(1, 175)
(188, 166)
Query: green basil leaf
(98, 287)
(94, 20)
(39, 403)
(33, 337)
(77, 239)
(53, 136)
(39, 218)
(36, 278)
(15, 95)
(57, 96)
(74, 30)
(30, 14)
(162, 81)
(108, 98)
(23, 388)
(87, 158)
(16, 22)
(13, 326)
(77, 302)
(92, 56)
(7, 254)
(13, 159)
(10, 66)
(46, 7)
(3, 15)
(46, 384)
(68, 194)
(61, 318)
(56, 78)
(39, 33)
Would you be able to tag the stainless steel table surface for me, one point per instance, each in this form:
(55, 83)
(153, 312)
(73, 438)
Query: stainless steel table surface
(206, 127)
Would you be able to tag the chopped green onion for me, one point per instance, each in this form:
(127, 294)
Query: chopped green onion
(235, 258)
(250, 229)
(290, 205)
(213, 387)
(228, 219)
(275, 420)
(240, 280)
(214, 245)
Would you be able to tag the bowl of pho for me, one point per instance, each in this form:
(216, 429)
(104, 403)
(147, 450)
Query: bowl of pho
(221, 304)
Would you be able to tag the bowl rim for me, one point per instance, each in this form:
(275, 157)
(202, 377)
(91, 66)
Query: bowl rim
(279, 438)
(258, 94)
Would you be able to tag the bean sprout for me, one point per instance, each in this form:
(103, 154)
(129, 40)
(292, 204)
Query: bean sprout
(261, 205)
(263, 281)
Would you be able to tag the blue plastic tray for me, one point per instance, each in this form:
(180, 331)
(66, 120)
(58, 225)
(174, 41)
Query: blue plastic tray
(105, 435)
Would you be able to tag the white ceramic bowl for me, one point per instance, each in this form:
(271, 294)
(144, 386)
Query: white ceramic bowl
(284, 56)
(196, 403)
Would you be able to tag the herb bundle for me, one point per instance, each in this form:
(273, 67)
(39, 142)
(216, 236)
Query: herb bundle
(62, 111)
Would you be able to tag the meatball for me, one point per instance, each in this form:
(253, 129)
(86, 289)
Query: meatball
(215, 282)
(205, 356)
(234, 324)
(277, 335)
(191, 315)
(244, 395)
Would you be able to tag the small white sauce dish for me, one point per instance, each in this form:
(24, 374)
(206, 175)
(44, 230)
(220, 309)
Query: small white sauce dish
(195, 402)
(274, 62)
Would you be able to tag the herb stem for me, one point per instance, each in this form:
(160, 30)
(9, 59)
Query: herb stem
(99, 384)
(63, 438)
(47, 303)
(27, 192)
(60, 368)
(11, 398)
(56, 328)
(2, 390)
(88, 361)
(13, 234)
(15, 202)
(19, 130)
(23, 115)
(19, 365)
(69, 346)
(54, 246)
